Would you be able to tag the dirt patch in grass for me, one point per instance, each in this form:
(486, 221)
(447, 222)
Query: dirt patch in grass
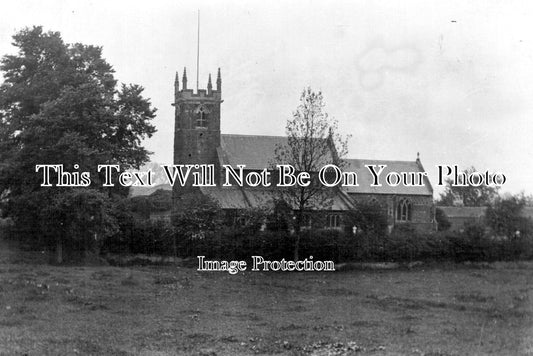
(473, 297)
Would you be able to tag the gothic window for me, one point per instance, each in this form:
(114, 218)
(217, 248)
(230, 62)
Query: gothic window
(334, 221)
(404, 210)
(201, 116)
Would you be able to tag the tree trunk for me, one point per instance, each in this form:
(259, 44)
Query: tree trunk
(59, 250)
(175, 246)
(297, 246)
(297, 230)
(86, 246)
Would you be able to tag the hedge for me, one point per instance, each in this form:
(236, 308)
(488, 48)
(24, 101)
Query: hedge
(402, 245)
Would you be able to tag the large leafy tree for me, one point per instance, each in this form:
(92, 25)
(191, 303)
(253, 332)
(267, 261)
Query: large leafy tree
(468, 195)
(60, 104)
(312, 143)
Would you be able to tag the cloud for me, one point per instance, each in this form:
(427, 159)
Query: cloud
(375, 63)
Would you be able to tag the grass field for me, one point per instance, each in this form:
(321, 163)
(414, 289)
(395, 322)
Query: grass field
(447, 310)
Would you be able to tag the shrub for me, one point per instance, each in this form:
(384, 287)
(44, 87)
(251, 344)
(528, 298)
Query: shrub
(141, 236)
(443, 223)
(504, 216)
(404, 244)
(369, 216)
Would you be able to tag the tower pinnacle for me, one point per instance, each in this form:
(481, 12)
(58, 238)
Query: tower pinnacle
(209, 85)
(184, 80)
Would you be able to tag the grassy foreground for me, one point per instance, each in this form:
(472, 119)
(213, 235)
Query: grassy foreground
(47, 310)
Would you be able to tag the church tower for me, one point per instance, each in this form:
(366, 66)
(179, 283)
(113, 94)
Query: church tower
(197, 125)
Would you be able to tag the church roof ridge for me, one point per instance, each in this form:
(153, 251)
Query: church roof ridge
(378, 160)
(248, 135)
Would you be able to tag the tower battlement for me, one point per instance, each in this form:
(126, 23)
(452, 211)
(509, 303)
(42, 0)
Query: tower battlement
(201, 94)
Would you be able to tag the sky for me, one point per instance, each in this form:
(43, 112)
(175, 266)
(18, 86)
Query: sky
(452, 80)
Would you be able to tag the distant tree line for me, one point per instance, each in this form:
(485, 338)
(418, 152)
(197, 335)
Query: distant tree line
(202, 228)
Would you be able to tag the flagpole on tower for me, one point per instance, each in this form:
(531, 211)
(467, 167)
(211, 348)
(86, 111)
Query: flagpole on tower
(198, 53)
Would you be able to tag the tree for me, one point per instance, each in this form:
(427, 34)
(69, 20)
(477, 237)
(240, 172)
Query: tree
(195, 217)
(505, 218)
(312, 143)
(280, 217)
(59, 104)
(369, 216)
(443, 223)
(468, 195)
(78, 217)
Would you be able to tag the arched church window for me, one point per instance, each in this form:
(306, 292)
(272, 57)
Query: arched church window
(334, 221)
(201, 116)
(404, 210)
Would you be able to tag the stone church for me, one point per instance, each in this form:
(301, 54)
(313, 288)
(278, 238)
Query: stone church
(198, 140)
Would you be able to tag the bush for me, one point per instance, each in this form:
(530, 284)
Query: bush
(369, 216)
(325, 244)
(404, 244)
(443, 223)
(140, 236)
(505, 218)
(238, 243)
(235, 243)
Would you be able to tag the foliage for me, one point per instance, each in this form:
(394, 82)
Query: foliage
(404, 244)
(140, 236)
(312, 142)
(369, 216)
(443, 223)
(196, 217)
(504, 216)
(75, 208)
(160, 200)
(252, 220)
(80, 207)
(281, 217)
(326, 244)
(59, 104)
(468, 195)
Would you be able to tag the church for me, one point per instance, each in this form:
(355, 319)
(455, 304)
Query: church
(198, 140)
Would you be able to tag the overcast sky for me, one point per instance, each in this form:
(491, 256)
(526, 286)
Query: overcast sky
(452, 80)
